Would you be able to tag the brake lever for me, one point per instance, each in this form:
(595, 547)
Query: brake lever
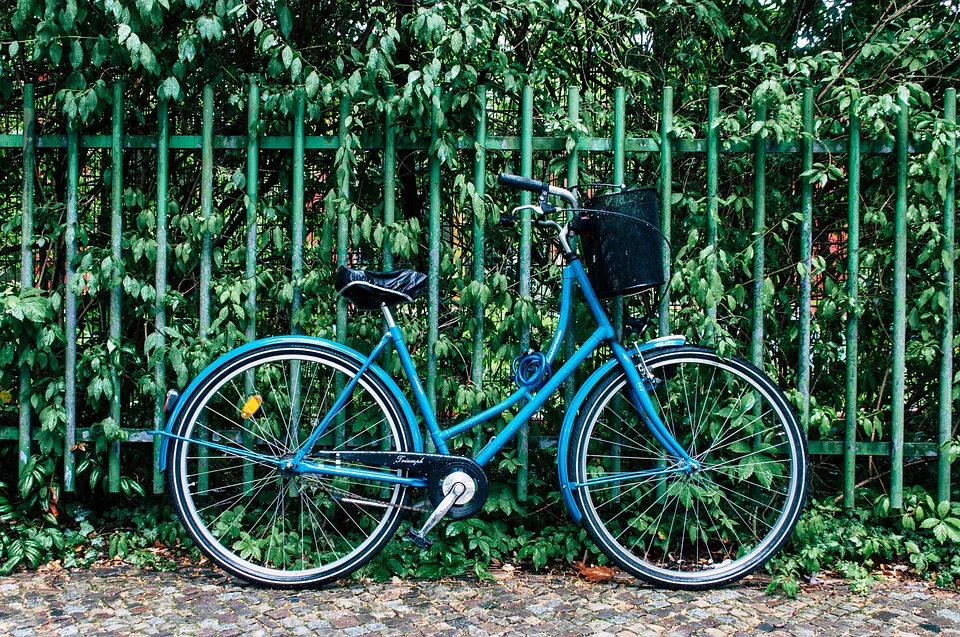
(540, 221)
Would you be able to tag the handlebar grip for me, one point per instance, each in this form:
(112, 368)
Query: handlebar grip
(522, 183)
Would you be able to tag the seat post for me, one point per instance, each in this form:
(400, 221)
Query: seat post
(387, 316)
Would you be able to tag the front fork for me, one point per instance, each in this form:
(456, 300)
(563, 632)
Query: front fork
(639, 397)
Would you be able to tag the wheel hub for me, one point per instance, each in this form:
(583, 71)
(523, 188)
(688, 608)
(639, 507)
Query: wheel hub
(287, 467)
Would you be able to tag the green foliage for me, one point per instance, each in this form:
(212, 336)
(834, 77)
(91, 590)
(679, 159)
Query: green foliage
(923, 537)
(421, 64)
(144, 536)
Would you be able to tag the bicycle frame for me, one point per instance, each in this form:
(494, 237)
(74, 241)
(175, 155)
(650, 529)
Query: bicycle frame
(573, 272)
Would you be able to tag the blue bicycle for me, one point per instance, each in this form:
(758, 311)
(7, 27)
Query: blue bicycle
(292, 460)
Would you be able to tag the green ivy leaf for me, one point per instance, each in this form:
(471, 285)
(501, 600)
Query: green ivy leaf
(312, 84)
(145, 7)
(170, 88)
(76, 54)
(284, 18)
(210, 28)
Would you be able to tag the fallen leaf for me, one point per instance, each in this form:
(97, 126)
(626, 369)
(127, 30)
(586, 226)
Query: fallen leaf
(594, 574)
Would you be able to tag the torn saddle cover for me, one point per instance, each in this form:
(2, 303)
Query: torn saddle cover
(368, 290)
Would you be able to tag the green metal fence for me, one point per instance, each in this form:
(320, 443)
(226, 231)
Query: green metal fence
(387, 140)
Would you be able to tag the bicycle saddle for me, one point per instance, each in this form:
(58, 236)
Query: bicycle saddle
(368, 290)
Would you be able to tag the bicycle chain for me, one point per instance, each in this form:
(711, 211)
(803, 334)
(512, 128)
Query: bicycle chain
(378, 503)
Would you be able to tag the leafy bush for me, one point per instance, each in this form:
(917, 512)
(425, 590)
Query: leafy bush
(923, 538)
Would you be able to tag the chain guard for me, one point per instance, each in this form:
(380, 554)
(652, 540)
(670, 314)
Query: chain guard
(434, 467)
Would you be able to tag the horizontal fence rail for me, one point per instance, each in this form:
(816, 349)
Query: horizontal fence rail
(480, 143)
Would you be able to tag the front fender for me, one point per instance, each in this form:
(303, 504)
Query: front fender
(289, 340)
(566, 430)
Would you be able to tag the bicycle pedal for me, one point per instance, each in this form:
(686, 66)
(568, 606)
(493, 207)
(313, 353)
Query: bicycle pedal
(420, 540)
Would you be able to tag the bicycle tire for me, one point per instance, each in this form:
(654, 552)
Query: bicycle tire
(664, 563)
(321, 501)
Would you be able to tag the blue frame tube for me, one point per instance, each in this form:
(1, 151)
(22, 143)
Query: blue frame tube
(596, 308)
(307, 467)
(341, 401)
(324, 469)
(240, 453)
(422, 401)
(622, 477)
(486, 415)
(532, 407)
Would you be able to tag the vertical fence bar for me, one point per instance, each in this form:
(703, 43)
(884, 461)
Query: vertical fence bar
(206, 254)
(666, 196)
(389, 182)
(573, 175)
(619, 140)
(250, 263)
(253, 177)
(116, 291)
(160, 285)
(479, 225)
(70, 297)
(526, 169)
(296, 266)
(389, 213)
(806, 252)
(343, 243)
(343, 222)
(899, 308)
(619, 159)
(206, 211)
(433, 271)
(759, 227)
(946, 347)
(26, 261)
(713, 177)
(296, 213)
(853, 308)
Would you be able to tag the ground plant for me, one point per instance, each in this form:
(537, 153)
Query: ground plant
(421, 63)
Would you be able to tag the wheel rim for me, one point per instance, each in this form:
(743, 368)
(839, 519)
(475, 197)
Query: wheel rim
(722, 520)
(254, 518)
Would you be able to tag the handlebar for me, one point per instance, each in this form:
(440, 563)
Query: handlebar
(539, 187)
(522, 183)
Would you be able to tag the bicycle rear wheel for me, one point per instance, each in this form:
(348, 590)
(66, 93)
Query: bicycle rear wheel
(247, 516)
(702, 529)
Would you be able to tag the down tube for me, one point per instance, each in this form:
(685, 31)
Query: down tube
(542, 396)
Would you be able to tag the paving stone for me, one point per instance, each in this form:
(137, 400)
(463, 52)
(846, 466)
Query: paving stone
(202, 601)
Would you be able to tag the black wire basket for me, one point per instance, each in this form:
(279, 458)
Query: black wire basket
(621, 243)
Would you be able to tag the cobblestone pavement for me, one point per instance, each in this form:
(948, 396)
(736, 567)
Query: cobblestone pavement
(199, 601)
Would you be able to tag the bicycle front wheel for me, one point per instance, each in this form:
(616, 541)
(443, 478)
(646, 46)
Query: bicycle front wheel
(257, 522)
(690, 530)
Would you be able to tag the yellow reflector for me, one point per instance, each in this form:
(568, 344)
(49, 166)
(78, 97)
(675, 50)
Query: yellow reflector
(251, 407)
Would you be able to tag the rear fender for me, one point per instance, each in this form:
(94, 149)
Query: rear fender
(354, 355)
